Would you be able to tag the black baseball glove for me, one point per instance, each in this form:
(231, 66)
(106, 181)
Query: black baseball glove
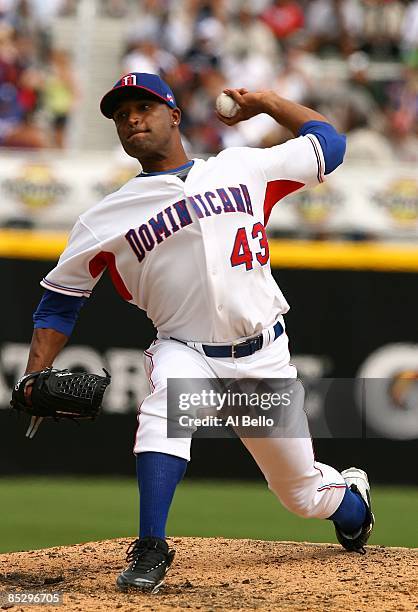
(59, 394)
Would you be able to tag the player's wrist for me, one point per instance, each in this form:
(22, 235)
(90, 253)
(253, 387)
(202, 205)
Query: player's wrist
(270, 102)
(280, 109)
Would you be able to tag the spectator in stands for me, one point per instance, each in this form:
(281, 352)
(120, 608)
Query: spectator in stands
(146, 56)
(60, 94)
(250, 70)
(200, 125)
(334, 23)
(21, 18)
(250, 53)
(404, 143)
(402, 113)
(179, 27)
(207, 8)
(207, 48)
(25, 134)
(349, 103)
(7, 8)
(146, 22)
(201, 80)
(45, 11)
(382, 27)
(200, 46)
(245, 33)
(364, 120)
(292, 81)
(11, 111)
(26, 51)
(410, 34)
(284, 18)
(8, 55)
(29, 86)
(116, 8)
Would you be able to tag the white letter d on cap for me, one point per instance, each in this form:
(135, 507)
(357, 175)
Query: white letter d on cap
(129, 80)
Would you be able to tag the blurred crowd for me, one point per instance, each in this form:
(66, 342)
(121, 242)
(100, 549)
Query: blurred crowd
(323, 53)
(38, 90)
(201, 46)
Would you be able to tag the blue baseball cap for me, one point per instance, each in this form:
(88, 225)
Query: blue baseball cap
(140, 82)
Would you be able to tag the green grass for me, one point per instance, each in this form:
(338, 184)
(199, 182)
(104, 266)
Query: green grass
(43, 512)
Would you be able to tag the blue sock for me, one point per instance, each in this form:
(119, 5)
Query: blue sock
(351, 513)
(158, 475)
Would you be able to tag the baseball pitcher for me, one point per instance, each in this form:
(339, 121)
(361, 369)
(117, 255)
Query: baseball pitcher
(185, 240)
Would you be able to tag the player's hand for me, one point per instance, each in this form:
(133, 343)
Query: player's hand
(250, 103)
(28, 393)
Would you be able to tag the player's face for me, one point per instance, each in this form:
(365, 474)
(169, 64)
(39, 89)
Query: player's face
(145, 127)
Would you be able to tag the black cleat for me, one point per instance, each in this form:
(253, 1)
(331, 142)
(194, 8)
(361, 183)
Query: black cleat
(357, 482)
(150, 559)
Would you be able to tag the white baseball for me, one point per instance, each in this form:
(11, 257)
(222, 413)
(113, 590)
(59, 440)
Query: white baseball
(226, 106)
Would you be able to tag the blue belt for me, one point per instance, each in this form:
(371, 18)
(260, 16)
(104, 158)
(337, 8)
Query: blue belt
(243, 349)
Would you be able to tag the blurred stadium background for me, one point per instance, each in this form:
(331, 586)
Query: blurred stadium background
(346, 253)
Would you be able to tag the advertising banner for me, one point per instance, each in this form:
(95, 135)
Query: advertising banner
(45, 191)
(356, 201)
(353, 338)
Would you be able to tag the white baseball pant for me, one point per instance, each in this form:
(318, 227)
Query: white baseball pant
(304, 486)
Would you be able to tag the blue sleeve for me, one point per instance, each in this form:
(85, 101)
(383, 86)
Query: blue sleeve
(58, 311)
(332, 143)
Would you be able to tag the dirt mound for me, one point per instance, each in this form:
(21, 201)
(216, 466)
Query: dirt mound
(218, 574)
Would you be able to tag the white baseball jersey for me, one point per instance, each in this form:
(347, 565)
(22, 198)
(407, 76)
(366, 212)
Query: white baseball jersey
(193, 254)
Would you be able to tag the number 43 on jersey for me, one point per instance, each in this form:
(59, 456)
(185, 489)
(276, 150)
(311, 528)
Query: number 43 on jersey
(241, 253)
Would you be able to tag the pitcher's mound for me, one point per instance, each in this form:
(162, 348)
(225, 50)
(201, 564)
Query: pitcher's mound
(218, 574)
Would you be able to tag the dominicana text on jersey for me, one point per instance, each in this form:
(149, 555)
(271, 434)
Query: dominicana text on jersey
(180, 249)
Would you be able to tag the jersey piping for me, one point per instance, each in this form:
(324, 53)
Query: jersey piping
(316, 147)
(47, 284)
(176, 171)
